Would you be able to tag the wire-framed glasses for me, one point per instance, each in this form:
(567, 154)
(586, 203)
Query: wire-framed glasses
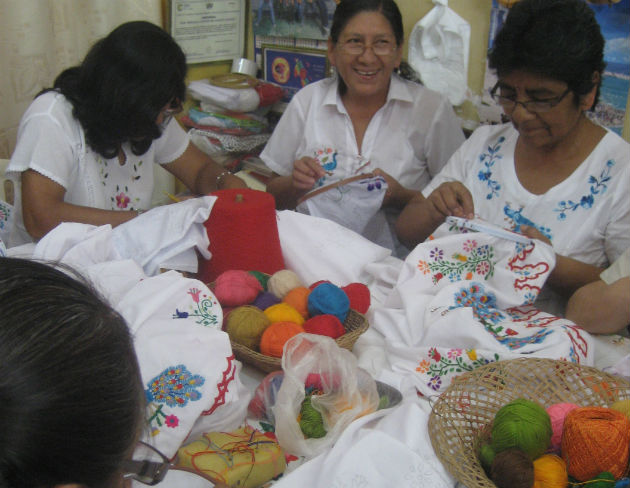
(150, 467)
(357, 46)
(533, 106)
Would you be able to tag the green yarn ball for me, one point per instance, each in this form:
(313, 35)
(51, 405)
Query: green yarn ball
(604, 480)
(311, 421)
(262, 278)
(521, 424)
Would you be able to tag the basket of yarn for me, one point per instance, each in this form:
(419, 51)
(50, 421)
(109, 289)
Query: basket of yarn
(262, 312)
(533, 422)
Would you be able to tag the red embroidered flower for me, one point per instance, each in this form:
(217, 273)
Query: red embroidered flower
(122, 200)
(171, 421)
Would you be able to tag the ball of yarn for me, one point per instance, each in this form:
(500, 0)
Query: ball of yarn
(550, 471)
(236, 287)
(557, 413)
(283, 312)
(246, 324)
(327, 298)
(520, 424)
(265, 300)
(326, 324)
(298, 299)
(262, 278)
(276, 335)
(623, 483)
(311, 421)
(622, 406)
(359, 296)
(512, 468)
(282, 282)
(595, 439)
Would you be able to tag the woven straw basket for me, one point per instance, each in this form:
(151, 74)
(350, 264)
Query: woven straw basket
(465, 410)
(355, 325)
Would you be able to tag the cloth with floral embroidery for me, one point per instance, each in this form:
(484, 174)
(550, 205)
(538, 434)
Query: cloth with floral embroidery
(243, 458)
(466, 299)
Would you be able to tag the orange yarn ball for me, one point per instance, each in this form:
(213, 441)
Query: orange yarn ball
(550, 471)
(298, 299)
(276, 335)
(596, 439)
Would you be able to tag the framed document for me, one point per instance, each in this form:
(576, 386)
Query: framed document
(293, 68)
(208, 30)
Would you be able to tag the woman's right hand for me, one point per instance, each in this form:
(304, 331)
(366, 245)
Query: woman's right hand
(451, 198)
(306, 171)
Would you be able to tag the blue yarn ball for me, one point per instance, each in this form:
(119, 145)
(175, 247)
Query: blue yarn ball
(623, 483)
(327, 298)
(265, 300)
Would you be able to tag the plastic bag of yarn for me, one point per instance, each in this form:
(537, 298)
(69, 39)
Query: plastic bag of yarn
(264, 398)
(344, 392)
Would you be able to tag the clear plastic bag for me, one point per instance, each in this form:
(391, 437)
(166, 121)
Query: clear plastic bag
(344, 392)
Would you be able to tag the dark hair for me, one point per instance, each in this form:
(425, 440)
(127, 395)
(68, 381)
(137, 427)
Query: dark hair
(559, 39)
(347, 9)
(122, 84)
(71, 397)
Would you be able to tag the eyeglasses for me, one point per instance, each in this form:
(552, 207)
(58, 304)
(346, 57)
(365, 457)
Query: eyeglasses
(148, 471)
(174, 107)
(356, 47)
(534, 106)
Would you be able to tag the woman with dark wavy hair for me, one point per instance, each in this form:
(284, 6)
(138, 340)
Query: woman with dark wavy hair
(550, 173)
(86, 147)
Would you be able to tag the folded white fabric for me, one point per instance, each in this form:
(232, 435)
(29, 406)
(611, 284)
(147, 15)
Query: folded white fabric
(167, 236)
(438, 50)
(320, 249)
(237, 100)
(386, 448)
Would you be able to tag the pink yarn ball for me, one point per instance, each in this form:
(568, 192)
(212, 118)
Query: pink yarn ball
(234, 288)
(557, 413)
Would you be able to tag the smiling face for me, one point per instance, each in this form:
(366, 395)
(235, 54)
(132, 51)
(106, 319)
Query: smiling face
(366, 74)
(549, 128)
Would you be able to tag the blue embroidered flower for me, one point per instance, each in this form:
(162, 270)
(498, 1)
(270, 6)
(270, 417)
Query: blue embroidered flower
(597, 186)
(483, 303)
(175, 386)
(485, 175)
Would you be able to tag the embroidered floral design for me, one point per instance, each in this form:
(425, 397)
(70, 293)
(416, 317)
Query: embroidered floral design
(5, 213)
(203, 309)
(483, 304)
(175, 387)
(171, 421)
(517, 220)
(451, 362)
(327, 159)
(527, 274)
(597, 186)
(488, 159)
(473, 260)
(122, 200)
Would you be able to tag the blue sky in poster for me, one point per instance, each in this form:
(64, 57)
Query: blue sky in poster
(615, 23)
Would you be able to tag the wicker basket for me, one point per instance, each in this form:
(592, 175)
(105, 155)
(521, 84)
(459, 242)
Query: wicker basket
(355, 325)
(466, 409)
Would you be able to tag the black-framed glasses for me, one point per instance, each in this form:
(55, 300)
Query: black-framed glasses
(534, 106)
(356, 47)
(150, 467)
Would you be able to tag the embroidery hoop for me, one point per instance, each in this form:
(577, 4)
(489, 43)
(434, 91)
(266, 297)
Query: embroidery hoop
(332, 186)
(237, 81)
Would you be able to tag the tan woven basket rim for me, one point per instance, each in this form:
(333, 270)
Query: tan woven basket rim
(460, 414)
(355, 325)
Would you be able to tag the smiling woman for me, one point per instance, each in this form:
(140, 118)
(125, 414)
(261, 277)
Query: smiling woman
(365, 121)
(550, 173)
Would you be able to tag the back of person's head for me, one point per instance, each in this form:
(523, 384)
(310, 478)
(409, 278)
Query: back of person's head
(122, 84)
(71, 398)
(558, 39)
(347, 9)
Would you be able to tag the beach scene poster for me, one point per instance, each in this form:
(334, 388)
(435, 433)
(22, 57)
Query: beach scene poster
(613, 17)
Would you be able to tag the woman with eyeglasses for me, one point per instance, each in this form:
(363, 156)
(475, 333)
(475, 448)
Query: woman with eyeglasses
(550, 173)
(71, 396)
(367, 119)
(86, 148)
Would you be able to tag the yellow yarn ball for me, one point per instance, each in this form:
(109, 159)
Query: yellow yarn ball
(282, 282)
(622, 406)
(550, 471)
(246, 324)
(283, 312)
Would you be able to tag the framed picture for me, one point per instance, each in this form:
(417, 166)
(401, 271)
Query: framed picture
(293, 68)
